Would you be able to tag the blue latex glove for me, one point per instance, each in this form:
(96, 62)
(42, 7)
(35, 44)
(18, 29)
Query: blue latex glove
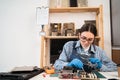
(76, 63)
(96, 61)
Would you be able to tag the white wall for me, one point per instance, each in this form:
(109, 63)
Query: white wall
(19, 33)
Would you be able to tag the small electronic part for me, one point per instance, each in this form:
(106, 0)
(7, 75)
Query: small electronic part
(67, 69)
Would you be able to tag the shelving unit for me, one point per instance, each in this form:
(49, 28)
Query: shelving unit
(45, 56)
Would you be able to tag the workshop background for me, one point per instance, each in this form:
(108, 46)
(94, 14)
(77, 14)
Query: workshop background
(19, 33)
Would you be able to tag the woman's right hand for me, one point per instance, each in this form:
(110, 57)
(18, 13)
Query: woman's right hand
(76, 63)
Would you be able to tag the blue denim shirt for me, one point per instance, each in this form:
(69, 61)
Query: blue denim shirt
(107, 63)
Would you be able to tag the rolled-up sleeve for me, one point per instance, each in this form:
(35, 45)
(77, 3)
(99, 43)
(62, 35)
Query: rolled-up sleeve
(107, 63)
(63, 58)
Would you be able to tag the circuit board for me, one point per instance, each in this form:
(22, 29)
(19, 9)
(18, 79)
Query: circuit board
(67, 74)
(84, 74)
(81, 75)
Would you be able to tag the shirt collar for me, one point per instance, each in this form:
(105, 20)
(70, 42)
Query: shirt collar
(92, 47)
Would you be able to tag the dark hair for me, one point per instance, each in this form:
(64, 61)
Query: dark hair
(88, 27)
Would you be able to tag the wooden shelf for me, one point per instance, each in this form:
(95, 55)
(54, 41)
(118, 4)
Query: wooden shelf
(60, 37)
(65, 37)
(74, 9)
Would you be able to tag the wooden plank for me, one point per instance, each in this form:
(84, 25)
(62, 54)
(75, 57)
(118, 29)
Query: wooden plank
(64, 37)
(101, 33)
(42, 51)
(74, 9)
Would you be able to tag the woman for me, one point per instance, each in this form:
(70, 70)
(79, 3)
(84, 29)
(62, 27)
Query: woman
(79, 53)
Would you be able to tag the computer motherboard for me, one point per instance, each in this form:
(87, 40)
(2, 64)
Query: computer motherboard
(71, 73)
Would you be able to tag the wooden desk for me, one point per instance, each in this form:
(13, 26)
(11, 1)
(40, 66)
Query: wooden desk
(108, 75)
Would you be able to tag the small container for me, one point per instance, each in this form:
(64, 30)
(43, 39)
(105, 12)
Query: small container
(82, 3)
(49, 70)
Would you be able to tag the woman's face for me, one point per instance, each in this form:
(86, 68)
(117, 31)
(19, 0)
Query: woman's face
(86, 38)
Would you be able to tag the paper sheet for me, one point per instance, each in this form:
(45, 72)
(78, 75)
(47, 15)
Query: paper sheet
(42, 15)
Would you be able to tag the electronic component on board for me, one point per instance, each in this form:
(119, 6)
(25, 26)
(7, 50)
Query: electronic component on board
(71, 73)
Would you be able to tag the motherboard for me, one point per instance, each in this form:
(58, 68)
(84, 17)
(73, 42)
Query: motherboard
(71, 73)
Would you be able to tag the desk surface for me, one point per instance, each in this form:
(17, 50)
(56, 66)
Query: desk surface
(108, 75)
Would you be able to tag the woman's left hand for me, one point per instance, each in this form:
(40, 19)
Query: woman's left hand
(96, 61)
